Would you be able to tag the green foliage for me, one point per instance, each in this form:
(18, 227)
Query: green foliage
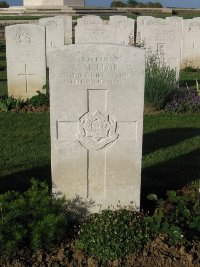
(33, 219)
(160, 82)
(135, 3)
(4, 4)
(40, 99)
(118, 4)
(179, 215)
(190, 69)
(9, 103)
(132, 3)
(113, 234)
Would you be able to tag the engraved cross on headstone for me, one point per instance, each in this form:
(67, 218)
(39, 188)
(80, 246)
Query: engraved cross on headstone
(96, 131)
(52, 45)
(26, 74)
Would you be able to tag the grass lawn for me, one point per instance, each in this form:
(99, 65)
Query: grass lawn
(171, 153)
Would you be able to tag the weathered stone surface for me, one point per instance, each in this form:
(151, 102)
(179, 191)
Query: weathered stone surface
(89, 20)
(26, 63)
(162, 37)
(191, 43)
(55, 34)
(53, 3)
(67, 28)
(118, 30)
(97, 95)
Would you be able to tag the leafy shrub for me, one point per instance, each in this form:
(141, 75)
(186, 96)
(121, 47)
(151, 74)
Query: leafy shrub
(118, 4)
(9, 103)
(188, 102)
(3, 4)
(33, 219)
(39, 100)
(179, 215)
(160, 82)
(190, 69)
(113, 234)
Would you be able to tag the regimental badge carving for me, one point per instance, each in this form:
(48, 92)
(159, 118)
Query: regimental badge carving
(97, 130)
(51, 25)
(23, 39)
(194, 27)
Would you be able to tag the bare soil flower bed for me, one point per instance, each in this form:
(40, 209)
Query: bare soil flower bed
(156, 254)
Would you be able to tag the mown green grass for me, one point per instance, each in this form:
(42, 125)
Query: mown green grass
(171, 153)
(25, 149)
(188, 79)
(3, 74)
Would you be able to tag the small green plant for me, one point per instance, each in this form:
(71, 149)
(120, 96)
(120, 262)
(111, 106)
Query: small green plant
(190, 69)
(9, 103)
(160, 82)
(179, 215)
(34, 219)
(40, 99)
(113, 234)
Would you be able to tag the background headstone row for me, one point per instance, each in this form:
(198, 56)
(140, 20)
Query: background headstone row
(174, 40)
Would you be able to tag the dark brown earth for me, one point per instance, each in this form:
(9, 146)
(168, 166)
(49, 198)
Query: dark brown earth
(30, 108)
(156, 254)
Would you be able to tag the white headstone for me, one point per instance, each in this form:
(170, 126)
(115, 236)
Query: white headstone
(124, 28)
(67, 28)
(95, 34)
(118, 30)
(162, 37)
(97, 122)
(26, 62)
(89, 20)
(55, 34)
(191, 43)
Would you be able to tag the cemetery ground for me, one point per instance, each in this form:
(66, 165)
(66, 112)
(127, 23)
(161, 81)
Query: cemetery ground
(170, 162)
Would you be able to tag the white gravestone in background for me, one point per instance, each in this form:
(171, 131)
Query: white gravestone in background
(124, 28)
(26, 62)
(55, 34)
(162, 37)
(67, 28)
(97, 122)
(92, 29)
(89, 20)
(191, 43)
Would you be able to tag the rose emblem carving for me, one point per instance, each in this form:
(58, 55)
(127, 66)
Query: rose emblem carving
(24, 39)
(96, 130)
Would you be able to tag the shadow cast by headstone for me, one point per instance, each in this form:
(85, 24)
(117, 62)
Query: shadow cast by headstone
(167, 137)
(21, 181)
(169, 175)
(76, 209)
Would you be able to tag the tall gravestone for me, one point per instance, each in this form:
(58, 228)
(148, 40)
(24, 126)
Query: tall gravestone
(162, 37)
(67, 28)
(92, 29)
(191, 43)
(55, 34)
(26, 62)
(97, 122)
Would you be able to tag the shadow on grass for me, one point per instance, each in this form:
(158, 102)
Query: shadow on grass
(167, 137)
(170, 175)
(20, 181)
